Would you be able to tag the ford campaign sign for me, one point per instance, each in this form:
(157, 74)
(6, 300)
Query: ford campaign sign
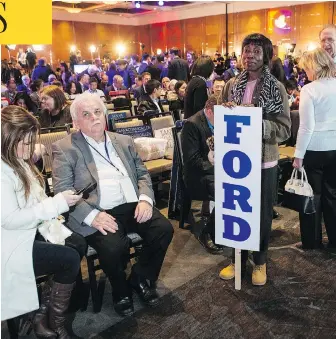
(238, 142)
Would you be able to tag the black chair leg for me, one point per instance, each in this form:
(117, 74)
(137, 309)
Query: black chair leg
(96, 289)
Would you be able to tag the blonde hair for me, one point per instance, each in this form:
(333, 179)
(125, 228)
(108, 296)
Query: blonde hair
(320, 62)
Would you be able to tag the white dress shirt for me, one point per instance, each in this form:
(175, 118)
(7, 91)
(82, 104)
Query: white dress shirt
(115, 185)
(157, 104)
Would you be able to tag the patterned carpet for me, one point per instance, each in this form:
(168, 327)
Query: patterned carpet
(299, 301)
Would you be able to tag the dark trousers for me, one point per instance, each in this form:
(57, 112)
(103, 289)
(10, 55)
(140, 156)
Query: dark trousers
(203, 189)
(268, 186)
(114, 248)
(61, 261)
(320, 167)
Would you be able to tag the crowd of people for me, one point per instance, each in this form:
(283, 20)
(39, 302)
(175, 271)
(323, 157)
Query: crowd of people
(36, 242)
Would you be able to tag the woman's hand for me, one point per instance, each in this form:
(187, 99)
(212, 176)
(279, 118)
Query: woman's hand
(211, 157)
(229, 104)
(71, 198)
(297, 163)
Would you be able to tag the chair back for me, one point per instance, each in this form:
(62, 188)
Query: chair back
(162, 122)
(47, 139)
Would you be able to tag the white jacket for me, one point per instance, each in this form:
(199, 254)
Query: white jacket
(19, 221)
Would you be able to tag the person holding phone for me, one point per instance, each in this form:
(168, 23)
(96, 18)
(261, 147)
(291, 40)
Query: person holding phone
(24, 208)
(122, 202)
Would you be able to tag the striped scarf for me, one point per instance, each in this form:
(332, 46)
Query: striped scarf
(267, 92)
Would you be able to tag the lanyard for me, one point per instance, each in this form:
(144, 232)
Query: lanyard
(107, 153)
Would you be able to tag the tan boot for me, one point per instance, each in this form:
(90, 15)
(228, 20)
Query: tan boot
(227, 272)
(259, 276)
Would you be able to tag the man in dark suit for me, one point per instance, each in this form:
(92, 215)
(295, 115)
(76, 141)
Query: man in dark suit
(146, 61)
(198, 170)
(83, 82)
(155, 69)
(151, 100)
(178, 68)
(12, 72)
(140, 91)
(122, 202)
(232, 72)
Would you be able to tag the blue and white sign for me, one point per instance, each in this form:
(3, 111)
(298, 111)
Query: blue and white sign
(238, 142)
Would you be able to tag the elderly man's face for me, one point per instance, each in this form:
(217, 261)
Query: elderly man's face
(328, 41)
(119, 83)
(104, 79)
(26, 81)
(91, 119)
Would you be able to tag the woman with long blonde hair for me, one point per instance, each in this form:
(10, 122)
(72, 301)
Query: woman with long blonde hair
(25, 209)
(316, 146)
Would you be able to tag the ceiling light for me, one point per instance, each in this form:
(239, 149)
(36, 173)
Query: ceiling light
(121, 49)
(137, 5)
(37, 47)
(161, 3)
(72, 1)
(92, 48)
(158, 51)
(73, 48)
(74, 10)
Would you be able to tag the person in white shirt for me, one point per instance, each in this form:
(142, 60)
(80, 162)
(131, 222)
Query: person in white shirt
(316, 146)
(93, 89)
(123, 201)
(328, 40)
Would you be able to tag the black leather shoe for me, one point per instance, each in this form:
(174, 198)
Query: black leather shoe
(206, 241)
(147, 294)
(276, 214)
(124, 307)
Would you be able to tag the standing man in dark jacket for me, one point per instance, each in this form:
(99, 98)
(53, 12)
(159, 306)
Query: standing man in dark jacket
(41, 71)
(197, 91)
(128, 73)
(178, 68)
(146, 61)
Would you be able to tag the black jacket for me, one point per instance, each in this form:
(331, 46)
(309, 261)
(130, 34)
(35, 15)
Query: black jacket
(64, 117)
(155, 71)
(196, 97)
(195, 150)
(142, 68)
(147, 104)
(179, 69)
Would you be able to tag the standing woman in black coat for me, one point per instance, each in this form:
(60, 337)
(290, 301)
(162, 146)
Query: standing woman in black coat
(197, 91)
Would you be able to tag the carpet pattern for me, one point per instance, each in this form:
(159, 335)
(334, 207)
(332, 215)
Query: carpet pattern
(299, 301)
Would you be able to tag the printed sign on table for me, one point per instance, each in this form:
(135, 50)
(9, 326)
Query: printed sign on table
(136, 131)
(238, 142)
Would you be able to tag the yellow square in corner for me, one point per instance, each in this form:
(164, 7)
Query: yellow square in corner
(26, 22)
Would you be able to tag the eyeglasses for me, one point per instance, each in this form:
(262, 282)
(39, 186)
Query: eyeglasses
(88, 115)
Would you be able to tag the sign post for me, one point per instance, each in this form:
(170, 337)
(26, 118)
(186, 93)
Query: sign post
(238, 140)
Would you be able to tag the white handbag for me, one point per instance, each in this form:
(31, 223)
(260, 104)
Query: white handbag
(299, 186)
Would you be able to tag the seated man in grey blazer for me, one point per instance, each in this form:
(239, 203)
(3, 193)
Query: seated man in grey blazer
(121, 202)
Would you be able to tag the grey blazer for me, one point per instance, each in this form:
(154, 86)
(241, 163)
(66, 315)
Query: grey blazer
(74, 168)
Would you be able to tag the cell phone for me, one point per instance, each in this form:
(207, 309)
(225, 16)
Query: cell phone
(86, 189)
